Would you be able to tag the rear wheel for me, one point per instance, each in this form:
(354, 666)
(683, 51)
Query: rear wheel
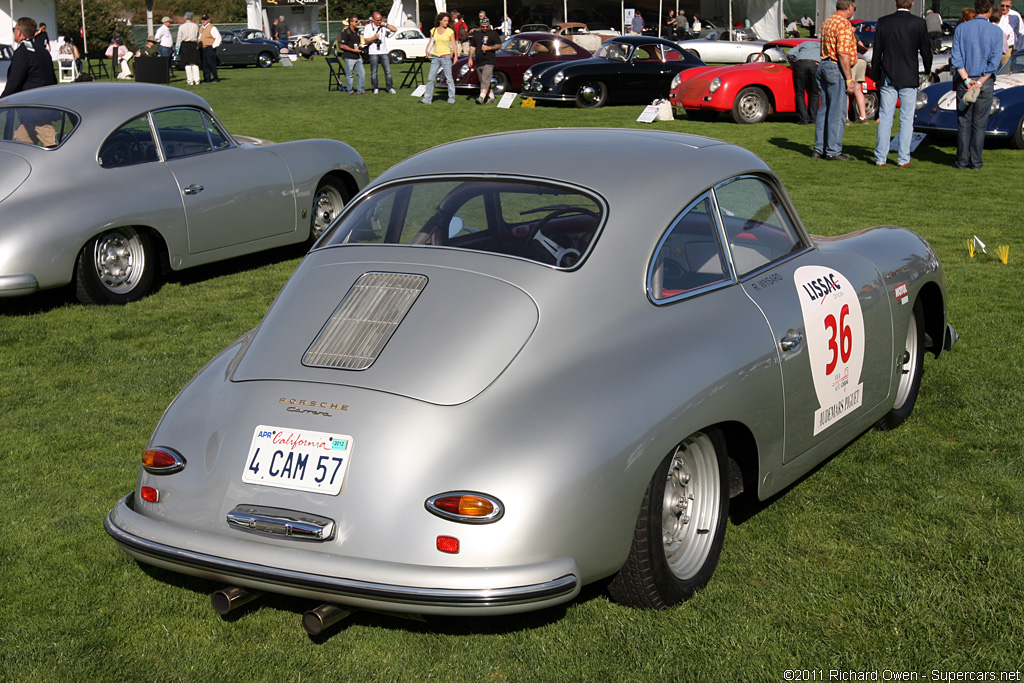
(681, 526)
(499, 83)
(1018, 137)
(591, 95)
(115, 267)
(751, 106)
(264, 59)
(911, 368)
(396, 56)
(328, 202)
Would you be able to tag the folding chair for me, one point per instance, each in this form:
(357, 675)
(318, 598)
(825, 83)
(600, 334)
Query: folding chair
(335, 81)
(96, 64)
(67, 70)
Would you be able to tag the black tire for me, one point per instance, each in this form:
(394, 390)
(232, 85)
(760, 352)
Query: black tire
(396, 56)
(680, 528)
(328, 201)
(264, 60)
(591, 95)
(499, 83)
(115, 267)
(1018, 137)
(702, 114)
(750, 106)
(694, 53)
(910, 378)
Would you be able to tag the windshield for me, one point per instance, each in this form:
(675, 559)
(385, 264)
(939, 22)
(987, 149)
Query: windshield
(519, 46)
(616, 52)
(545, 223)
(39, 126)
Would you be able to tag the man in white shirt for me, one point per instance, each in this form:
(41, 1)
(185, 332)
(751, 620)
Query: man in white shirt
(209, 40)
(376, 35)
(164, 38)
(1013, 29)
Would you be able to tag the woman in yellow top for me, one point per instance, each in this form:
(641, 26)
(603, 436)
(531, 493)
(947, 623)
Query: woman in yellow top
(440, 47)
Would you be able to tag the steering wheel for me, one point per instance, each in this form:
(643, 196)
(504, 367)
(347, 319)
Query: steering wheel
(563, 256)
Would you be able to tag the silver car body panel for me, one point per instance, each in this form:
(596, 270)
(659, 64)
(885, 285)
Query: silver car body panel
(228, 218)
(556, 392)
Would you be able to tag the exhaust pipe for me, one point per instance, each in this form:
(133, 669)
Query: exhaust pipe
(318, 620)
(231, 598)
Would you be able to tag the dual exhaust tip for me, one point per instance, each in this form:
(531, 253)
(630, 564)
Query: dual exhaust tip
(315, 621)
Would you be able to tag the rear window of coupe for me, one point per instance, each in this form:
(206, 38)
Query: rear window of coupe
(39, 126)
(549, 224)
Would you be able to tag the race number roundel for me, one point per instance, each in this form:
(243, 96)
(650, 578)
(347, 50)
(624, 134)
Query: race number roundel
(834, 327)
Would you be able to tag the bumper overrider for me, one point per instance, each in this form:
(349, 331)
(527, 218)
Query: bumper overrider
(335, 578)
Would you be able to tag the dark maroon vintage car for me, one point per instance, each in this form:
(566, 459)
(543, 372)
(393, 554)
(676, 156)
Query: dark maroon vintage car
(516, 55)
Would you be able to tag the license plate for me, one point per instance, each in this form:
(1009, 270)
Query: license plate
(298, 459)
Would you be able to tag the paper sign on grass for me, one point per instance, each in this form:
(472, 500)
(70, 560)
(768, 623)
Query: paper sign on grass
(507, 99)
(420, 89)
(648, 114)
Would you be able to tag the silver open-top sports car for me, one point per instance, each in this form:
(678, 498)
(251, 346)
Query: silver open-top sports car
(486, 387)
(105, 184)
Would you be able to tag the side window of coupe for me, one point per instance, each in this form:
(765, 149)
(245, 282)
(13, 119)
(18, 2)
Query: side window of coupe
(757, 226)
(39, 126)
(132, 143)
(690, 256)
(185, 132)
(543, 47)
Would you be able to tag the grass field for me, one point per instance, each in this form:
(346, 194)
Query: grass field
(901, 554)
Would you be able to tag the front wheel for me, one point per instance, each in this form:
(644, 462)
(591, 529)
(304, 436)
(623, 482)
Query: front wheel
(751, 106)
(910, 365)
(115, 267)
(681, 526)
(264, 59)
(591, 95)
(328, 202)
(396, 56)
(499, 83)
(1018, 137)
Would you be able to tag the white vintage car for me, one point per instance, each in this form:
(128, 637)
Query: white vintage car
(407, 43)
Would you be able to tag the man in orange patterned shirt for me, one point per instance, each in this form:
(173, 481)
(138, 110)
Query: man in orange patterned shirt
(838, 55)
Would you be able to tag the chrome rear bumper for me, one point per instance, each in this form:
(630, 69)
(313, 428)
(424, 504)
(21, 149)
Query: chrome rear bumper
(130, 530)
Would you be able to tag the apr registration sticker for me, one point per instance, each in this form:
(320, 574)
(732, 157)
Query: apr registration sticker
(835, 342)
(297, 459)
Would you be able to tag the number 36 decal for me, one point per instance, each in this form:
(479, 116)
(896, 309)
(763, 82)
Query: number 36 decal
(834, 327)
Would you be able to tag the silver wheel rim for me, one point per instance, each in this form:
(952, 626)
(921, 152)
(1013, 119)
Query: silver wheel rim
(751, 107)
(690, 505)
(120, 260)
(265, 59)
(327, 204)
(908, 367)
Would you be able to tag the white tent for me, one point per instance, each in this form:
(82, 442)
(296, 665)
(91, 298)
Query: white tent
(43, 11)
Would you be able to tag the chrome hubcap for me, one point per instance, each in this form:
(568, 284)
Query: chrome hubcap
(588, 94)
(119, 259)
(750, 107)
(907, 364)
(326, 207)
(690, 506)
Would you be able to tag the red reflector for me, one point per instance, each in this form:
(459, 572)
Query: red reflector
(448, 544)
(152, 495)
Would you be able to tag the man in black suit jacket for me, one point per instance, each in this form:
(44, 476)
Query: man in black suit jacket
(30, 66)
(899, 38)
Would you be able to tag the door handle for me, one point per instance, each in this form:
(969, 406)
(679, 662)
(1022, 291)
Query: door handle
(791, 340)
(194, 189)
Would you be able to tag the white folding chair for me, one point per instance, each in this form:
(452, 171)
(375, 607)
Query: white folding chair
(67, 70)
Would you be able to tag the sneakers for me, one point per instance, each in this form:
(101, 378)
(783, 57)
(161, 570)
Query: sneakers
(490, 99)
(375, 91)
(392, 91)
(906, 165)
(837, 157)
(815, 154)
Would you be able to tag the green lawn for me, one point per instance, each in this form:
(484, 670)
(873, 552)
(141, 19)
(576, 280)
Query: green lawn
(903, 553)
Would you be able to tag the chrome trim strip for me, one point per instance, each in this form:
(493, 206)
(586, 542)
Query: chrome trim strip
(16, 285)
(443, 597)
(281, 522)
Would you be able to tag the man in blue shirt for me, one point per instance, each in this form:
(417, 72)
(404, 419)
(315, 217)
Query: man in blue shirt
(805, 58)
(977, 49)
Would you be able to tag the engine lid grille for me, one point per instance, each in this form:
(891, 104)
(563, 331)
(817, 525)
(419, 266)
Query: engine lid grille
(364, 321)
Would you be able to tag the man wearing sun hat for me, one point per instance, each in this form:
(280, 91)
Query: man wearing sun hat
(164, 38)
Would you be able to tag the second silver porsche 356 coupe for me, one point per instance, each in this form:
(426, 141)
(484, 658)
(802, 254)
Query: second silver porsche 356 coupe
(484, 388)
(106, 184)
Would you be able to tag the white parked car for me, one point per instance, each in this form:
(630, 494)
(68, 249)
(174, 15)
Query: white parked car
(407, 43)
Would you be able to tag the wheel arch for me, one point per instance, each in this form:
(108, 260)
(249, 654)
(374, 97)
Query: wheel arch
(933, 307)
(741, 449)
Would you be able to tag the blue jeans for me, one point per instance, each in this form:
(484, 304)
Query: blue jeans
(443, 62)
(886, 110)
(380, 59)
(166, 51)
(360, 75)
(971, 122)
(831, 121)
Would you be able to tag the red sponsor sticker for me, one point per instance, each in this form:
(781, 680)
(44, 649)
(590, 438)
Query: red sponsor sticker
(900, 291)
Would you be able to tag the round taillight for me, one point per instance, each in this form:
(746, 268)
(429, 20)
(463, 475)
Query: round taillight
(466, 506)
(162, 461)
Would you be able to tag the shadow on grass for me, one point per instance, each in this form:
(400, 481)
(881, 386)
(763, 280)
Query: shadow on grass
(50, 299)
(413, 623)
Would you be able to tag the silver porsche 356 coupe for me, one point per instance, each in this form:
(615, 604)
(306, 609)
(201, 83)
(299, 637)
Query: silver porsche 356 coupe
(485, 388)
(106, 184)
